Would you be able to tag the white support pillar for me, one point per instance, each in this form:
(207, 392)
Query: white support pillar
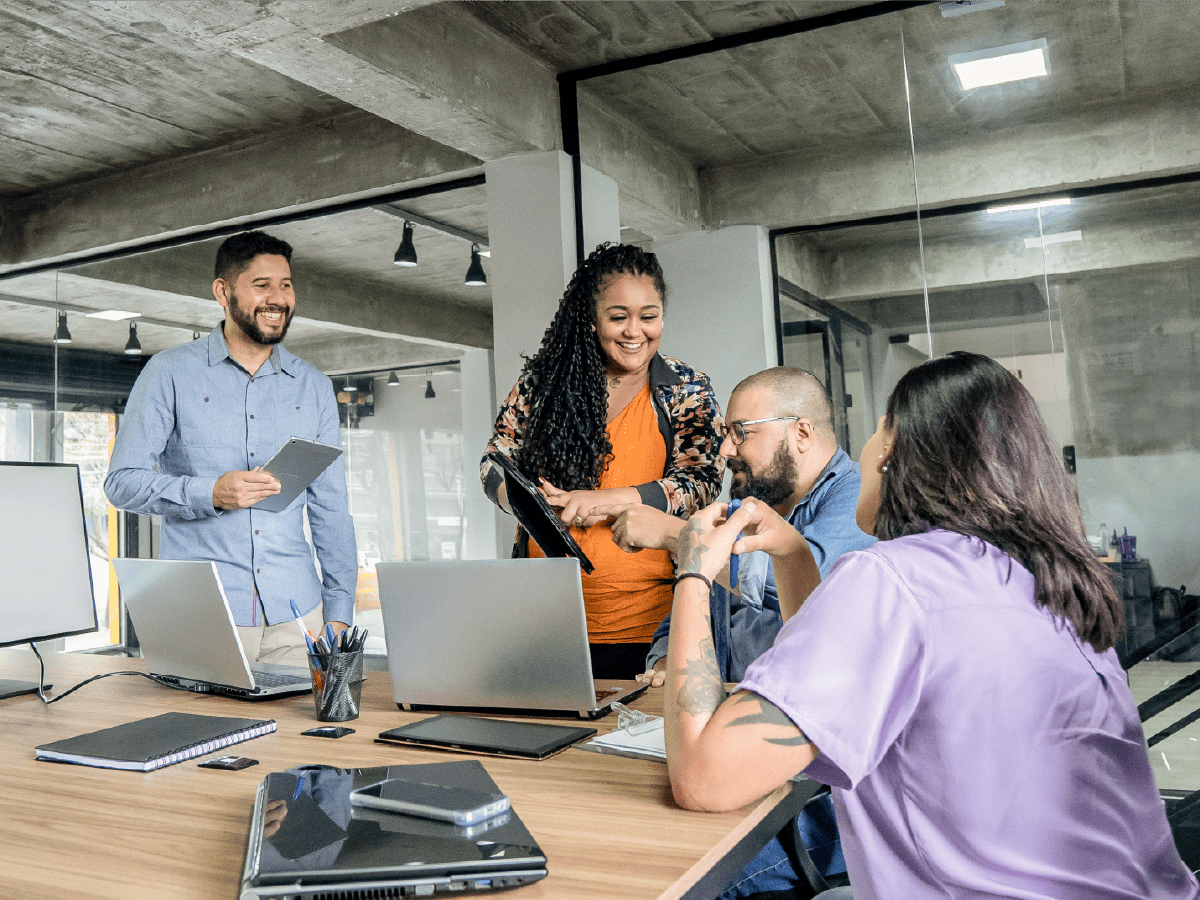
(489, 532)
(720, 315)
(531, 233)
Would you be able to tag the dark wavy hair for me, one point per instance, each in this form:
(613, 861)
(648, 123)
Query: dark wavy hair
(236, 253)
(566, 437)
(971, 454)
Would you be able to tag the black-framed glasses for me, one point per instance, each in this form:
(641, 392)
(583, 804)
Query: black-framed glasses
(736, 431)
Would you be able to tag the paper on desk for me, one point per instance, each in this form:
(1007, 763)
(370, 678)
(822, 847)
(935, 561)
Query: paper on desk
(645, 741)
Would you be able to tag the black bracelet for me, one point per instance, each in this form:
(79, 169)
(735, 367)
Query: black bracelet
(680, 577)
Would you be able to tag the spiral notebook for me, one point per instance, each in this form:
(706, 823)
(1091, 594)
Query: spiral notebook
(149, 744)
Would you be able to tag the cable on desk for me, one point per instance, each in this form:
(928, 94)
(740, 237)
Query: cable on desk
(69, 691)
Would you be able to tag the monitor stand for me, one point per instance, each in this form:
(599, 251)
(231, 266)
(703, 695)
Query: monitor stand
(10, 688)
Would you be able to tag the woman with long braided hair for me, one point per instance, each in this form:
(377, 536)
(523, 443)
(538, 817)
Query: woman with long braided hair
(599, 418)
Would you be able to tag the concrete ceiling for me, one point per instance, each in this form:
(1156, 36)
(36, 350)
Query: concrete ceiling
(122, 122)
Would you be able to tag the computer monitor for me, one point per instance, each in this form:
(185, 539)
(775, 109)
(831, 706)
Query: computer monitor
(45, 569)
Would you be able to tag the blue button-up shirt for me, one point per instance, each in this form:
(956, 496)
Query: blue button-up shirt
(195, 414)
(745, 627)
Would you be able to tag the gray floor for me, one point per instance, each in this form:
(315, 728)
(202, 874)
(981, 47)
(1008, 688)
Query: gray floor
(1176, 760)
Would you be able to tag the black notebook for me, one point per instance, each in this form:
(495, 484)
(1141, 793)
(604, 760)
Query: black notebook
(152, 743)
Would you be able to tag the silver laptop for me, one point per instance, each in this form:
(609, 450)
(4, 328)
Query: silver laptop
(506, 635)
(187, 633)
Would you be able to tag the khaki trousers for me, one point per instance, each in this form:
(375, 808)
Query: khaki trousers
(280, 644)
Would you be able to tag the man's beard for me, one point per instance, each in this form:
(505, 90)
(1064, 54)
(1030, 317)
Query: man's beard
(248, 322)
(772, 485)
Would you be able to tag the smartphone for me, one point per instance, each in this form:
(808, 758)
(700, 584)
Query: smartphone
(328, 731)
(430, 801)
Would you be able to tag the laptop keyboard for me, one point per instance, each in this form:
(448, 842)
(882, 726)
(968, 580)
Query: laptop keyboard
(275, 679)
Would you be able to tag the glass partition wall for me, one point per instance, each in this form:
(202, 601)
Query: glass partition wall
(73, 342)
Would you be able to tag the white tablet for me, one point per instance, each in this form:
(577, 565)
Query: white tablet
(296, 465)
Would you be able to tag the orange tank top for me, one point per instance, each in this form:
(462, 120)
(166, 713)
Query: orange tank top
(627, 594)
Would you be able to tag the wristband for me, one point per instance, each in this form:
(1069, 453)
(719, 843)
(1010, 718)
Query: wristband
(707, 583)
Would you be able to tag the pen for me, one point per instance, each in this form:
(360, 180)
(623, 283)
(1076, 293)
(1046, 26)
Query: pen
(330, 638)
(304, 631)
(733, 558)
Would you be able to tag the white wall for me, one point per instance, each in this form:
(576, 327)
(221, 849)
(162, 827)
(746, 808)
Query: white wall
(1156, 497)
(720, 315)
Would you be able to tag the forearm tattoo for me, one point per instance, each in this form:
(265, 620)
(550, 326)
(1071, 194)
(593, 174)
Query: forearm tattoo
(701, 691)
(691, 548)
(767, 714)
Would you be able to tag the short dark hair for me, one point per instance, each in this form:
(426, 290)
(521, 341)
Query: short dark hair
(796, 392)
(236, 253)
(971, 454)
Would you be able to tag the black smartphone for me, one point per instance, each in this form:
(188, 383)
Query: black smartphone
(431, 801)
(228, 762)
(329, 731)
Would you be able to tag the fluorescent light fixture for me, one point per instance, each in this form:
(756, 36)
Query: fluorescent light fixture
(1062, 237)
(113, 315)
(1036, 204)
(998, 65)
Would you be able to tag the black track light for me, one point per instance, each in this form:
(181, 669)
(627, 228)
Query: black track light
(349, 387)
(393, 380)
(429, 393)
(133, 346)
(406, 254)
(475, 276)
(62, 335)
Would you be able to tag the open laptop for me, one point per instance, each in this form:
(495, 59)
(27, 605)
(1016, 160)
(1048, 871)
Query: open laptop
(324, 847)
(507, 635)
(188, 637)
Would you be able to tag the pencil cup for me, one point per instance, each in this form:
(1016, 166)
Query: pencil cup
(337, 685)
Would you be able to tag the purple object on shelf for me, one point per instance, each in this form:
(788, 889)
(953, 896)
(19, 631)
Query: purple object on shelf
(1128, 544)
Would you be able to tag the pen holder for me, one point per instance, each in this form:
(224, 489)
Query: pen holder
(337, 685)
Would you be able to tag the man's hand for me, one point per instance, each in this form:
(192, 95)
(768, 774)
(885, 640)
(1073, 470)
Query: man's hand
(639, 527)
(656, 675)
(241, 490)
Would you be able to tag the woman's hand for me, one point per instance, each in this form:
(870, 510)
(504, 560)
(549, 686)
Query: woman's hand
(575, 507)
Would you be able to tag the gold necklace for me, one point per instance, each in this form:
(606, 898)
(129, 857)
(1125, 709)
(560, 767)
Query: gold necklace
(614, 382)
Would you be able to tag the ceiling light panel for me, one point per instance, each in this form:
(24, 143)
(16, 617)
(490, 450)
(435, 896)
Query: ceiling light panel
(999, 65)
(1037, 204)
(113, 315)
(1062, 237)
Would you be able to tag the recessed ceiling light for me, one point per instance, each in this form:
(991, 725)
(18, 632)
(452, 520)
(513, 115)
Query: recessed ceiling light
(113, 315)
(998, 65)
(1036, 204)
(1062, 237)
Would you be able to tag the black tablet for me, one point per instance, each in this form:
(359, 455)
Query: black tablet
(296, 465)
(536, 515)
(498, 737)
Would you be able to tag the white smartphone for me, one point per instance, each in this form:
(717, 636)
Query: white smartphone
(431, 801)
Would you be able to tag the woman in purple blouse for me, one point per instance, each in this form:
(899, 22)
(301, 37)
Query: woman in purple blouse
(955, 684)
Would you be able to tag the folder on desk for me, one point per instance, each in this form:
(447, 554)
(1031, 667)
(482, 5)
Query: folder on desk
(645, 740)
(149, 744)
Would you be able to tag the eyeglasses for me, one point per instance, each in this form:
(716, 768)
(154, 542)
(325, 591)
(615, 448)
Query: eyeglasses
(736, 431)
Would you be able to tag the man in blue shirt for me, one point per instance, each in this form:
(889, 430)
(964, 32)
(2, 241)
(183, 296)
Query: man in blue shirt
(200, 421)
(780, 448)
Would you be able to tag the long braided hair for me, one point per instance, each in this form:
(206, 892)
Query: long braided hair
(566, 436)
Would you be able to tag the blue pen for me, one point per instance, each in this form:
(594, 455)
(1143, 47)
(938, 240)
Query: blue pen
(733, 557)
(330, 639)
(304, 631)
(299, 788)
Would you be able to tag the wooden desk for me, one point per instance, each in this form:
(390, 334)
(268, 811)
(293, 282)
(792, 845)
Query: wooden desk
(607, 824)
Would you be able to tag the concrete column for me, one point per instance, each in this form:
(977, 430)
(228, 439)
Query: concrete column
(720, 315)
(489, 532)
(531, 232)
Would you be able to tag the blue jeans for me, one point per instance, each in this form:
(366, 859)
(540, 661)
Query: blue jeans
(773, 870)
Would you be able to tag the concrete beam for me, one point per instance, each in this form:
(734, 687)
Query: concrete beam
(350, 156)
(338, 356)
(659, 189)
(430, 68)
(798, 189)
(336, 302)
